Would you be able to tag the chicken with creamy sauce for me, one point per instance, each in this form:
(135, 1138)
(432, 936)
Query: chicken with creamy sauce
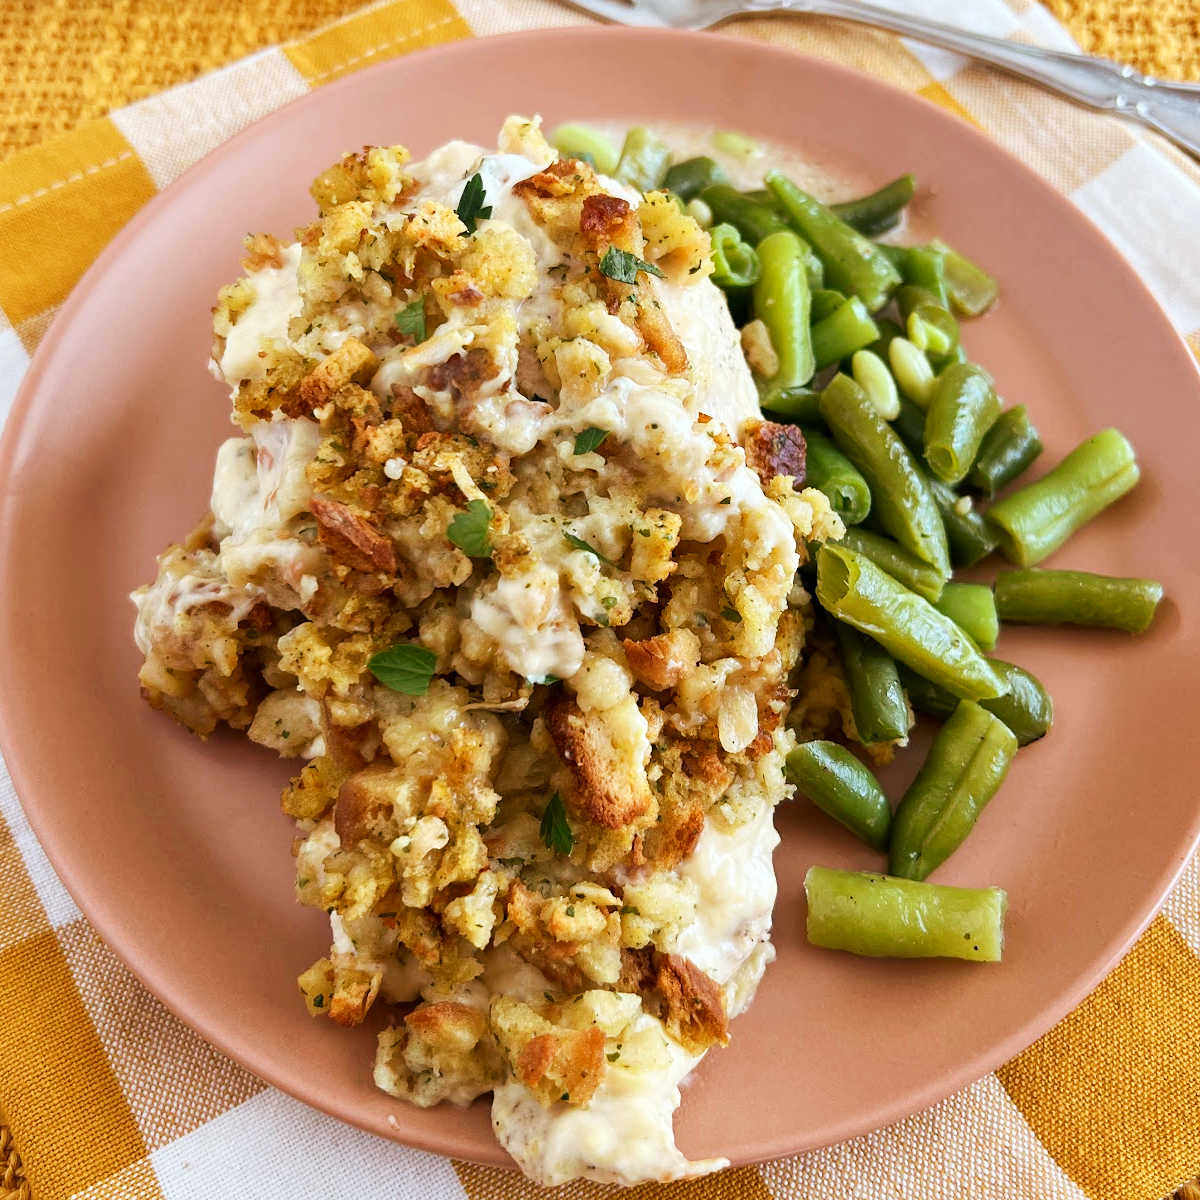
(505, 555)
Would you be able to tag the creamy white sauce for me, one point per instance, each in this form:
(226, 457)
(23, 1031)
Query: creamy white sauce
(161, 604)
(623, 1136)
(531, 620)
(276, 302)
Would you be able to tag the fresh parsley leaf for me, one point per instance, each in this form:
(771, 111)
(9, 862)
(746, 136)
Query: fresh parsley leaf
(578, 543)
(624, 267)
(471, 207)
(411, 320)
(406, 668)
(555, 829)
(731, 614)
(544, 680)
(589, 439)
(469, 530)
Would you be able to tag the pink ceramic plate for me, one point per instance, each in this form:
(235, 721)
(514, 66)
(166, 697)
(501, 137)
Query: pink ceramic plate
(176, 850)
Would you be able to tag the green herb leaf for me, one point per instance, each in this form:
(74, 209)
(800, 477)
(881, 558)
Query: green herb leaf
(410, 320)
(555, 830)
(578, 543)
(589, 439)
(406, 668)
(469, 530)
(731, 614)
(624, 267)
(471, 207)
(544, 680)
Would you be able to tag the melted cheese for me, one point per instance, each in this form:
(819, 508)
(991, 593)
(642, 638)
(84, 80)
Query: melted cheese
(276, 302)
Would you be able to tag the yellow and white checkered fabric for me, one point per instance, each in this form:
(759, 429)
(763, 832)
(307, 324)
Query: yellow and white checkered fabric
(108, 1096)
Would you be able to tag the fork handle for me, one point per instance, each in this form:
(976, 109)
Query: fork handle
(1171, 108)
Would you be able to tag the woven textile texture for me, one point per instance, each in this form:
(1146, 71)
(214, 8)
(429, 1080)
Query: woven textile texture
(102, 1091)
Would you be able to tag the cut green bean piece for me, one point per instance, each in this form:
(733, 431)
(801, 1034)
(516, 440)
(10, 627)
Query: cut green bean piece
(644, 159)
(883, 917)
(1026, 708)
(877, 700)
(909, 424)
(1042, 597)
(891, 557)
(1008, 450)
(972, 607)
(965, 766)
(739, 145)
(735, 263)
(876, 380)
(900, 495)
(781, 302)
(888, 330)
(582, 141)
(689, 178)
(1035, 521)
(847, 329)
(824, 302)
(970, 537)
(853, 589)
(800, 405)
(853, 264)
(881, 210)
(962, 408)
(911, 368)
(754, 219)
(971, 290)
(924, 267)
(838, 784)
(830, 471)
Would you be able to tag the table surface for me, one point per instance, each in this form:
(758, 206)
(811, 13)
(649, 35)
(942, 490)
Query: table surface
(66, 64)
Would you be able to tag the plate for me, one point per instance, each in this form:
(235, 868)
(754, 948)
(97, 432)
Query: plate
(176, 850)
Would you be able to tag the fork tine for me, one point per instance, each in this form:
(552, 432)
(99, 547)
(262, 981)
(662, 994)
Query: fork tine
(624, 12)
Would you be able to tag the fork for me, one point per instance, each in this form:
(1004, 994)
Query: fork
(1173, 109)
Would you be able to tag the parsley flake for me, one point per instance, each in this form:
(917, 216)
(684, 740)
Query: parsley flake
(410, 320)
(731, 614)
(407, 667)
(577, 543)
(589, 439)
(471, 207)
(544, 680)
(555, 829)
(624, 267)
(469, 530)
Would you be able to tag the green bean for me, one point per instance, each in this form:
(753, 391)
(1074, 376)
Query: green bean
(880, 211)
(876, 380)
(1035, 521)
(825, 301)
(582, 141)
(753, 219)
(911, 368)
(924, 267)
(781, 302)
(699, 212)
(900, 494)
(800, 405)
(970, 537)
(644, 159)
(883, 917)
(1009, 448)
(961, 410)
(831, 472)
(965, 766)
(838, 784)
(934, 331)
(909, 424)
(972, 607)
(735, 264)
(891, 557)
(739, 145)
(846, 329)
(853, 589)
(970, 288)
(1042, 597)
(689, 178)
(852, 264)
(881, 712)
(888, 330)
(1026, 708)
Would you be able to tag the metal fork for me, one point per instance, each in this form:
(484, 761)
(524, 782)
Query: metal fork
(1171, 108)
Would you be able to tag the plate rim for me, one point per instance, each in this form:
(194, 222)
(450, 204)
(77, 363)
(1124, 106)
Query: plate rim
(21, 754)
